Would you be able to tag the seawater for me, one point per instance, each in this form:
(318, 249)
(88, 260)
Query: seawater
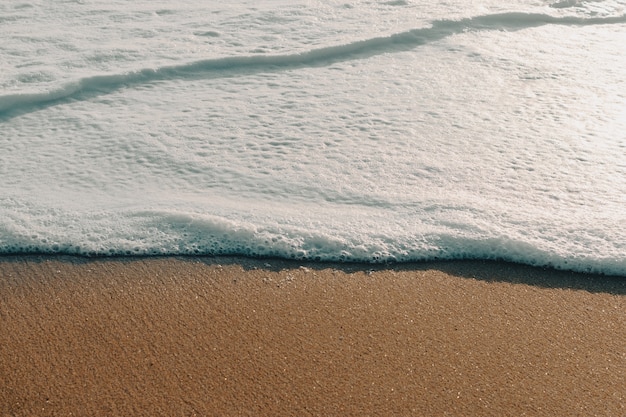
(371, 131)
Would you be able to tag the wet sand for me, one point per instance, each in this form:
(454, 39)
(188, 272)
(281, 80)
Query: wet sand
(239, 337)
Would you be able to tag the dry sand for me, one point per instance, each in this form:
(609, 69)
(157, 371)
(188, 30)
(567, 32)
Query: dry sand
(230, 337)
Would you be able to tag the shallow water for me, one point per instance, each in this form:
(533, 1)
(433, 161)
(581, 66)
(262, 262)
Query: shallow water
(360, 131)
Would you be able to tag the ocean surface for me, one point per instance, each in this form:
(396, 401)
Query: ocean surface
(353, 130)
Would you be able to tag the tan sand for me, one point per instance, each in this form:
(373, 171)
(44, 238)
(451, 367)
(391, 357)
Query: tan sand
(231, 337)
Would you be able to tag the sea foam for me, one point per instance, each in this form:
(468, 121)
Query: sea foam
(366, 138)
(87, 87)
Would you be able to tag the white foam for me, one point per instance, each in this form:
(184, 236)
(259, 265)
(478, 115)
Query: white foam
(87, 87)
(394, 131)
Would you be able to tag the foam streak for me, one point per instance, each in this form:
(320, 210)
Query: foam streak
(15, 104)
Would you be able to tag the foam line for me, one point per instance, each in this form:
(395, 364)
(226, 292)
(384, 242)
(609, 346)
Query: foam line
(14, 104)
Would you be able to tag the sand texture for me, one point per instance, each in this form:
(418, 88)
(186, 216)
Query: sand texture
(241, 337)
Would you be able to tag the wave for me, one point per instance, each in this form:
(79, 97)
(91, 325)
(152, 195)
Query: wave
(171, 233)
(12, 105)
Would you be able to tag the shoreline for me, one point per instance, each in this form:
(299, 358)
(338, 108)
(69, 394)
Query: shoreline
(480, 269)
(244, 336)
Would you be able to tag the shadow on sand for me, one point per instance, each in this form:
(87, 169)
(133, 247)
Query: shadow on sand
(489, 271)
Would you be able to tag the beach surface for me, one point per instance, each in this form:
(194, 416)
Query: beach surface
(244, 337)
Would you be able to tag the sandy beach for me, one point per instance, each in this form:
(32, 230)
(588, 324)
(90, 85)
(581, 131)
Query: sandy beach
(243, 337)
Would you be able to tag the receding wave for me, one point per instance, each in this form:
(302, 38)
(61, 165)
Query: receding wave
(87, 87)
